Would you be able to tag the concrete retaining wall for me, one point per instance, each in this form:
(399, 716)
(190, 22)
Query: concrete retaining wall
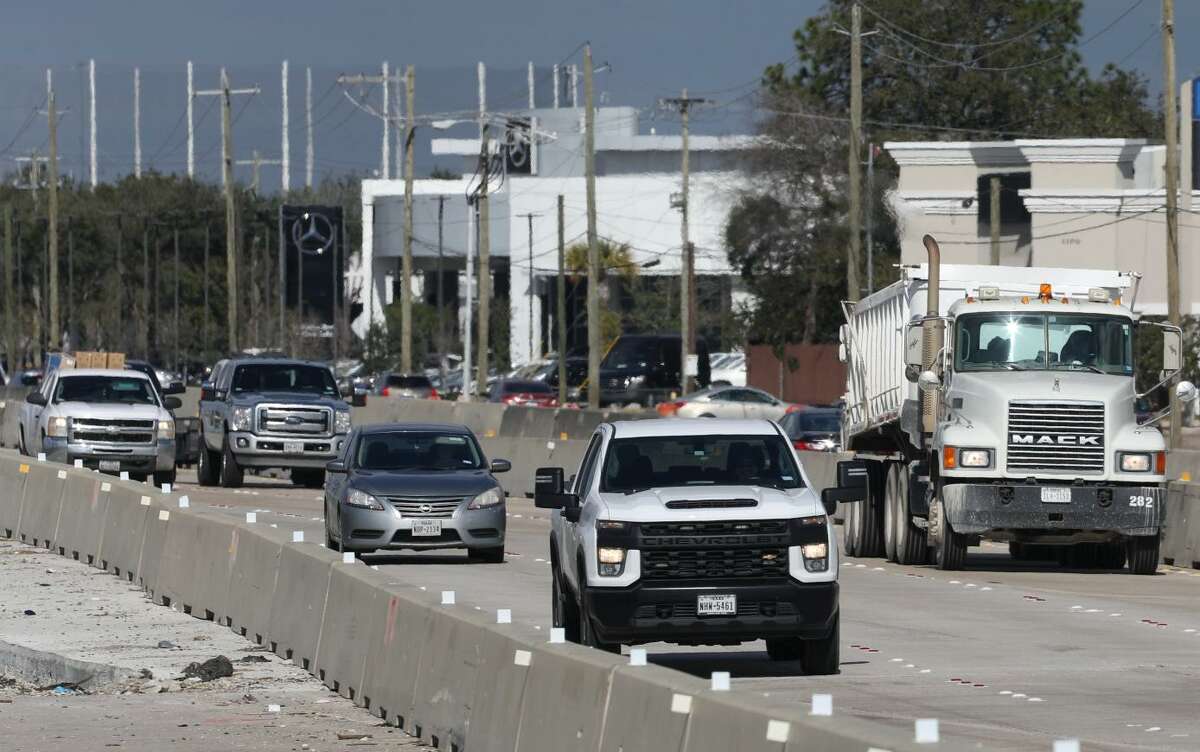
(446, 673)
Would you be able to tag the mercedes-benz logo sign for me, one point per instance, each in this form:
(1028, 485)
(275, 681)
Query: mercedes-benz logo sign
(426, 508)
(312, 232)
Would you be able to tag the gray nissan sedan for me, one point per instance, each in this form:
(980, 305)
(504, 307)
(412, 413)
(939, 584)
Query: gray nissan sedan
(415, 486)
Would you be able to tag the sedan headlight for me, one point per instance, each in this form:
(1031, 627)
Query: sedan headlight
(356, 498)
(240, 418)
(341, 421)
(488, 498)
(1143, 462)
(610, 561)
(166, 429)
(57, 428)
(816, 556)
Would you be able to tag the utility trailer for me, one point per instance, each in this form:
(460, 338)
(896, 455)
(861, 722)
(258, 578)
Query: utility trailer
(998, 402)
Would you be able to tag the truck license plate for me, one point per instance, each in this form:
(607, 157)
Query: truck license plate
(426, 528)
(110, 466)
(716, 605)
(293, 447)
(1056, 495)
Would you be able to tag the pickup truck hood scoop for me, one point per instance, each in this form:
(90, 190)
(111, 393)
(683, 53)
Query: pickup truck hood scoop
(713, 502)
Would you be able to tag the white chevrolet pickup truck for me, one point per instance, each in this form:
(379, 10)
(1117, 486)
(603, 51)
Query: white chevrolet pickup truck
(112, 420)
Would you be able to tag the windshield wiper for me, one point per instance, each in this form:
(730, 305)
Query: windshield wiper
(1088, 366)
(1009, 366)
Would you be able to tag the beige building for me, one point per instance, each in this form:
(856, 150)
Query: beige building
(1095, 203)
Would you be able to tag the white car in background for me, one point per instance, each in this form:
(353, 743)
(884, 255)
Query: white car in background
(741, 402)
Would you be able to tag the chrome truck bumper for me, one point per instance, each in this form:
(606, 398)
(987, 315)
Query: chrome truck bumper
(1060, 510)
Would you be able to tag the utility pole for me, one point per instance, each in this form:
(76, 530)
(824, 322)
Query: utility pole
(870, 220)
(575, 85)
(994, 217)
(137, 122)
(285, 175)
(529, 75)
(207, 310)
(52, 203)
(441, 287)
(484, 239)
(231, 276)
(529, 217)
(308, 128)
(406, 263)
(472, 229)
(593, 258)
(255, 163)
(10, 324)
(1170, 88)
(120, 287)
(92, 107)
(556, 86)
(175, 279)
(687, 267)
(385, 155)
(561, 304)
(852, 257)
(191, 128)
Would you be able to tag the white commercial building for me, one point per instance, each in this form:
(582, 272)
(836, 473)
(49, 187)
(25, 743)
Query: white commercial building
(637, 176)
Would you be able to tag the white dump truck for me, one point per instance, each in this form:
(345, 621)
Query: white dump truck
(998, 402)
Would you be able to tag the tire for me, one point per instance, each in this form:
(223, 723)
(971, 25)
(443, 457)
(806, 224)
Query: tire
(231, 475)
(1018, 551)
(868, 519)
(891, 510)
(587, 634)
(1112, 555)
(850, 523)
(493, 555)
(951, 547)
(822, 656)
(562, 606)
(167, 476)
(330, 543)
(1142, 551)
(785, 648)
(911, 545)
(207, 472)
(21, 448)
(308, 477)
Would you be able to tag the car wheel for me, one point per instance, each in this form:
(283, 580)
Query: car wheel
(231, 474)
(162, 478)
(587, 634)
(562, 606)
(330, 543)
(21, 448)
(951, 546)
(206, 471)
(822, 656)
(486, 555)
(911, 547)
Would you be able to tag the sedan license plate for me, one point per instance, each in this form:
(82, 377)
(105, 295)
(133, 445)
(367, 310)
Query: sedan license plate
(426, 528)
(1056, 495)
(110, 466)
(716, 605)
(293, 447)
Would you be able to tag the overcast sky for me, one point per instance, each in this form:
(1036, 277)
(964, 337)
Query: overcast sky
(655, 47)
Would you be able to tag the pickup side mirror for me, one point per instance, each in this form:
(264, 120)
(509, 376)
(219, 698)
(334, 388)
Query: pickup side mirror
(500, 466)
(207, 391)
(36, 398)
(335, 466)
(172, 403)
(548, 492)
(852, 474)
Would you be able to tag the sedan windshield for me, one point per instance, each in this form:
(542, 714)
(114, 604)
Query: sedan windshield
(284, 377)
(418, 450)
(637, 464)
(115, 389)
(1056, 341)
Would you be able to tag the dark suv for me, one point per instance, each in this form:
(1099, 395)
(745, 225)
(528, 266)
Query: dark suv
(644, 369)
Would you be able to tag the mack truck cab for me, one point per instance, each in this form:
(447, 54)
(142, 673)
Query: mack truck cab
(1006, 412)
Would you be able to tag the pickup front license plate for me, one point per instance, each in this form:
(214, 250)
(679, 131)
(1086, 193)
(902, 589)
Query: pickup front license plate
(426, 528)
(110, 466)
(716, 605)
(293, 447)
(1056, 495)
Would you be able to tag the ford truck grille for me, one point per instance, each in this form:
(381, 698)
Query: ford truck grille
(1060, 437)
(726, 549)
(420, 506)
(293, 420)
(116, 431)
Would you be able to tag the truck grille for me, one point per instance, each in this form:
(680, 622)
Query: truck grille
(1062, 437)
(417, 506)
(725, 549)
(114, 431)
(294, 420)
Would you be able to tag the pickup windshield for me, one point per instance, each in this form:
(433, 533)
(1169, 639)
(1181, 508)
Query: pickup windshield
(112, 389)
(418, 450)
(1044, 341)
(284, 377)
(637, 464)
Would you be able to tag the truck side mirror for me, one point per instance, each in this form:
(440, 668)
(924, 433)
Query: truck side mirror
(914, 335)
(1185, 391)
(1172, 350)
(548, 493)
(852, 474)
(172, 403)
(36, 398)
(207, 391)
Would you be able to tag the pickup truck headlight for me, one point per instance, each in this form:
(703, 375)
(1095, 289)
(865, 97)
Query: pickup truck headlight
(610, 561)
(488, 498)
(57, 428)
(1143, 462)
(241, 418)
(816, 556)
(166, 429)
(356, 498)
(341, 421)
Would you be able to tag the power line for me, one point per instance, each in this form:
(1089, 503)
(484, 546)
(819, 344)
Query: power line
(958, 45)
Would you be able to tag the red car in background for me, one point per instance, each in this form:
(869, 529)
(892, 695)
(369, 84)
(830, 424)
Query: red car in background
(522, 393)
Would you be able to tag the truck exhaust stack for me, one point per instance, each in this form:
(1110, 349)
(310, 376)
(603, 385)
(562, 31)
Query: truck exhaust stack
(932, 334)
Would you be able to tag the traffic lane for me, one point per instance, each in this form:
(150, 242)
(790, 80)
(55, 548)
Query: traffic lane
(916, 642)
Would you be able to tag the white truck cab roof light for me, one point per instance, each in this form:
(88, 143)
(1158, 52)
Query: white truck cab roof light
(989, 292)
(1098, 295)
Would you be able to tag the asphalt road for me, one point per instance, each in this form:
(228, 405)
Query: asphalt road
(1012, 655)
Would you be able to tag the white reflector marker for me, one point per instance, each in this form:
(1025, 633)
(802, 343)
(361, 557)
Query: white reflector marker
(164, 515)
(297, 536)
(720, 681)
(447, 597)
(252, 517)
(522, 658)
(145, 501)
(184, 502)
(681, 704)
(637, 656)
(504, 616)
(778, 731)
(105, 487)
(1066, 745)
(558, 635)
(166, 488)
(124, 475)
(78, 464)
(347, 557)
(822, 705)
(927, 731)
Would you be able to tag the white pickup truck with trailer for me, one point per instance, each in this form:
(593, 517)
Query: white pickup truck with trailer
(998, 402)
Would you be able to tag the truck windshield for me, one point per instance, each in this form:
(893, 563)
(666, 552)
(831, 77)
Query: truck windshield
(637, 464)
(284, 377)
(1041, 341)
(418, 450)
(115, 389)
